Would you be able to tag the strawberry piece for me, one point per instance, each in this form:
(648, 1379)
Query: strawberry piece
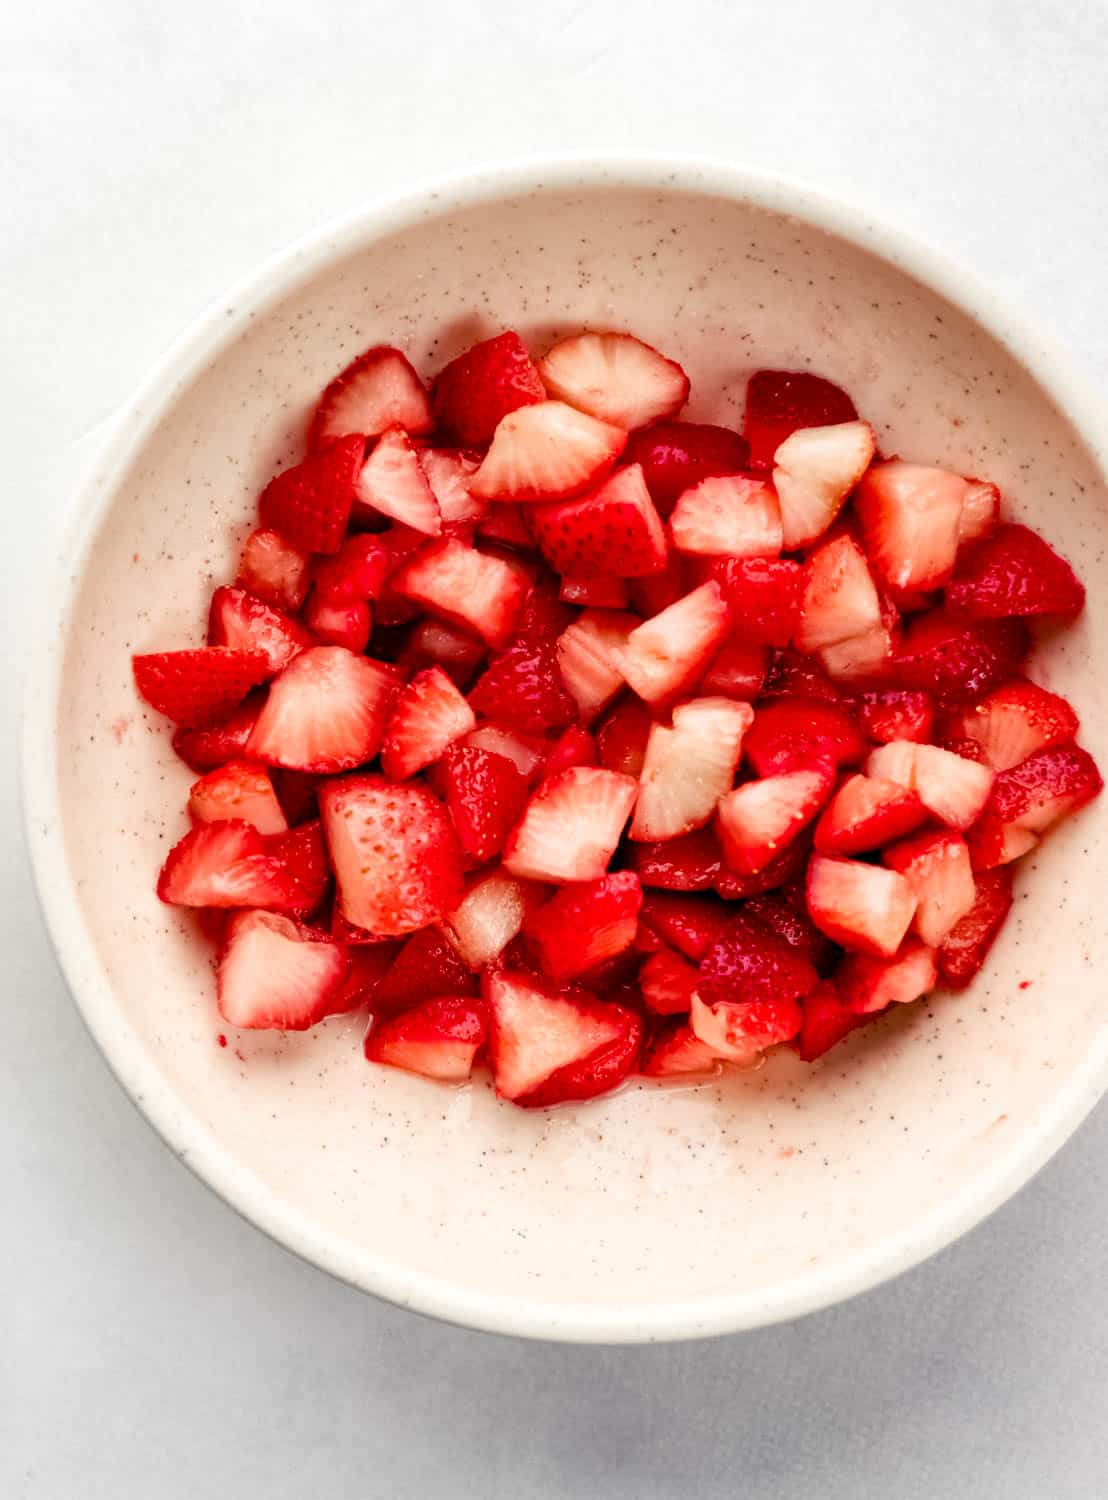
(738, 671)
(484, 794)
(490, 915)
(237, 790)
(960, 661)
(814, 471)
(401, 545)
(895, 714)
(524, 688)
(471, 589)
(675, 456)
(1015, 721)
(427, 965)
(863, 907)
(326, 712)
(780, 401)
(525, 751)
(750, 965)
(734, 515)
(196, 689)
(910, 517)
(691, 924)
(792, 925)
(576, 747)
(741, 1032)
(665, 656)
(433, 643)
(476, 391)
(862, 659)
(689, 767)
(547, 1046)
(613, 529)
(244, 623)
(508, 525)
(394, 851)
(393, 484)
(951, 787)
(428, 716)
(615, 377)
(980, 510)
(791, 675)
(229, 863)
(668, 983)
(677, 1051)
(967, 944)
(1014, 572)
(583, 926)
(839, 600)
(296, 792)
(594, 592)
(368, 963)
(691, 862)
(785, 866)
(448, 472)
(303, 855)
(275, 973)
(273, 569)
(378, 390)
(763, 595)
(622, 736)
(1029, 798)
(549, 451)
(757, 819)
(357, 571)
(866, 812)
(589, 652)
(309, 504)
(206, 749)
(825, 1023)
(869, 984)
(791, 733)
(571, 826)
(649, 596)
(340, 622)
(937, 867)
(438, 1038)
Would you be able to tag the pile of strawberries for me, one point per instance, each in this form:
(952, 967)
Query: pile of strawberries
(563, 735)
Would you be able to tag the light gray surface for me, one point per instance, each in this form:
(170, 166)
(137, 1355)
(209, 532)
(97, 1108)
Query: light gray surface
(151, 1344)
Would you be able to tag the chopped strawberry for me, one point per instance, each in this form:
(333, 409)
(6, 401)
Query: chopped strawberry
(691, 924)
(612, 530)
(339, 622)
(376, 391)
(966, 945)
(393, 484)
(826, 1021)
(594, 591)
(866, 812)
(472, 589)
(869, 984)
(814, 471)
(668, 983)
(862, 659)
(484, 794)
(368, 963)
(448, 472)
(434, 643)
(650, 595)
(427, 965)
(1029, 798)
(274, 570)
(356, 572)
(951, 787)
(428, 716)
(790, 733)
(571, 826)
(438, 1038)
(245, 623)
(737, 671)
(863, 907)
(490, 915)
(763, 595)
(395, 854)
(910, 518)
(959, 661)
(757, 819)
(526, 752)
(980, 510)
(583, 926)
(786, 865)
(303, 855)
(549, 451)
(676, 1051)
(310, 503)
(791, 922)
(508, 525)
(615, 377)
(575, 747)
(740, 1032)
(237, 790)
(793, 675)
(401, 545)
(689, 863)
(275, 973)
(665, 656)
(675, 456)
(1016, 720)
(735, 515)
(780, 401)
(992, 843)
(326, 712)
(750, 965)
(589, 652)
(476, 391)
(196, 689)
(296, 792)
(689, 767)
(622, 735)
(839, 600)
(206, 749)
(1013, 572)
(524, 687)
(937, 867)
(229, 863)
(895, 714)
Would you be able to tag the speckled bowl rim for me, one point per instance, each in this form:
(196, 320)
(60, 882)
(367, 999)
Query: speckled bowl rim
(182, 1131)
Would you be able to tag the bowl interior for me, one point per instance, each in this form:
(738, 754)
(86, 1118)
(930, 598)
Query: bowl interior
(656, 1211)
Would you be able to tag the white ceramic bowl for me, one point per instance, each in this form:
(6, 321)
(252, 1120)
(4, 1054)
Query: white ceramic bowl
(656, 1213)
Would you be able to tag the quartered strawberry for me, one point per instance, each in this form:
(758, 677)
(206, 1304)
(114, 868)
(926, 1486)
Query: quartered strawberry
(571, 826)
(839, 600)
(785, 866)
(237, 790)
(895, 714)
(689, 766)
(790, 733)
(507, 525)
(980, 510)
(867, 984)
(367, 966)
(196, 689)
(615, 377)
(484, 794)
(758, 819)
(750, 965)
(474, 590)
(395, 853)
(668, 983)
(814, 471)
(588, 655)
(310, 503)
(967, 944)
(825, 1023)
(205, 749)
(274, 570)
(326, 712)
(1013, 572)
(790, 921)
(910, 519)
(339, 622)
(296, 792)
(473, 393)
(734, 515)
(548, 451)
(574, 747)
(1014, 721)
(228, 864)
(448, 472)
(524, 688)
(675, 456)
(866, 812)
(548, 1046)
(594, 591)
(763, 595)
(790, 674)
(937, 867)
(1029, 798)
(864, 907)
(690, 924)
(958, 661)
(302, 854)
(246, 623)
(437, 1038)
(737, 671)
(622, 735)
(490, 915)
(780, 401)
(952, 788)
(429, 714)
(741, 1032)
(583, 926)
(401, 545)
(275, 973)
(393, 483)
(675, 1051)
(611, 530)
(650, 595)
(689, 863)
(527, 752)
(427, 965)
(376, 391)
(434, 643)
(664, 657)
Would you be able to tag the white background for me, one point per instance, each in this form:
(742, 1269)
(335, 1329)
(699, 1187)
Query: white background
(153, 1345)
